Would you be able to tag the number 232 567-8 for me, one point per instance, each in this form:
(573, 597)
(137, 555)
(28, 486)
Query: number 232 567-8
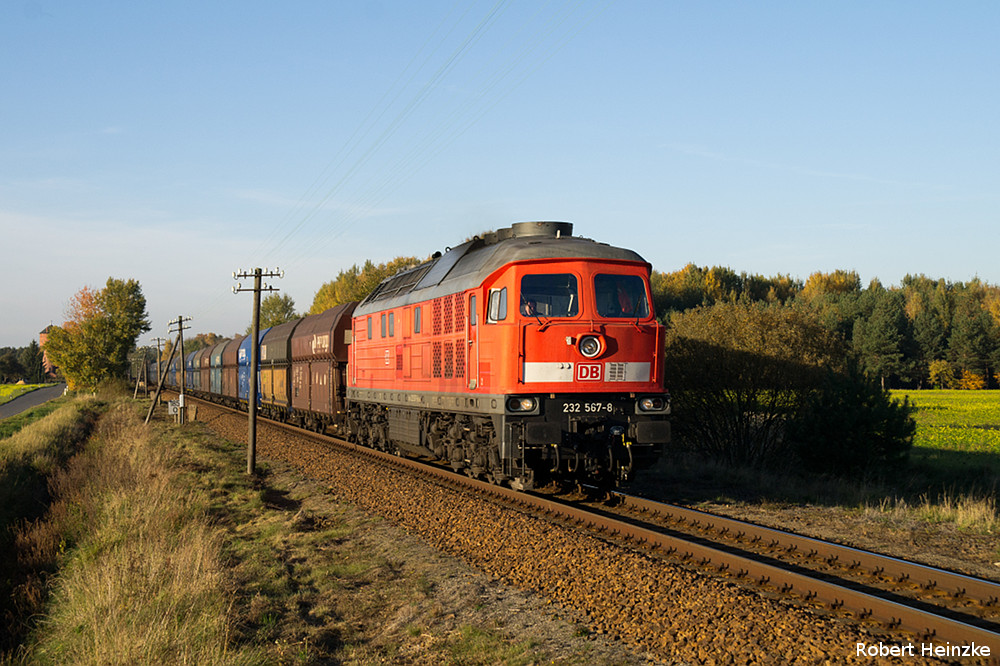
(587, 407)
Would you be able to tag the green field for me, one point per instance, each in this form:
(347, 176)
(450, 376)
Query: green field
(966, 421)
(957, 443)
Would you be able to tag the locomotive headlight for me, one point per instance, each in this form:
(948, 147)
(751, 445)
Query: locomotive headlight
(521, 404)
(652, 404)
(590, 346)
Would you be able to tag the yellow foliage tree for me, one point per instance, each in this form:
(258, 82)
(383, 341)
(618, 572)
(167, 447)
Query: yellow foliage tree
(972, 380)
(355, 283)
(941, 374)
(837, 282)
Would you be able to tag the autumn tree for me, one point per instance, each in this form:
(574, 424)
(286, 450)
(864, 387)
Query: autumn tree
(276, 309)
(101, 329)
(837, 282)
(693, 286)
(355, 283)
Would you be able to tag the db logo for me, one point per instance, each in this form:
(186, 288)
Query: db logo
(588, 372)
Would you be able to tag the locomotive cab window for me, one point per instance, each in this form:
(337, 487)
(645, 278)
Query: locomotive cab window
(549, 295)
(498, 306)
(621, 296)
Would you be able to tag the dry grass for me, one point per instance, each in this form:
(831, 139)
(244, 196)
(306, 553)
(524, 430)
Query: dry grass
(977, 514)
(164, 551)
(141, 576)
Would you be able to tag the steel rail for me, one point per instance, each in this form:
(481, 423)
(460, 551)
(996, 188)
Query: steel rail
(956, 584)
(894, 615)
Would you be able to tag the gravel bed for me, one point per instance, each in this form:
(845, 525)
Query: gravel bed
(664, 612)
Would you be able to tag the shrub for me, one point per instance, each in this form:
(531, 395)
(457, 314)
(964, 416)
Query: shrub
(850, 424)
(755, 384)
(736, 373)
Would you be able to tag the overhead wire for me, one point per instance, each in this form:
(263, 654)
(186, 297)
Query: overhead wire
(377, 143)
(514, 60)
(466, 115)
(270, 245)
(374, 115)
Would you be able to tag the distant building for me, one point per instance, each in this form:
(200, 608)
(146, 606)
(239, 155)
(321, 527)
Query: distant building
(50, 370)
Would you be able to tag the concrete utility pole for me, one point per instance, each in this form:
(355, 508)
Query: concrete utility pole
(179, 322)
(258, 275)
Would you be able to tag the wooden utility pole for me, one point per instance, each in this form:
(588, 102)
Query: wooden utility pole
(159, 384)
(180, 361)
(159, 373)
(258, 275)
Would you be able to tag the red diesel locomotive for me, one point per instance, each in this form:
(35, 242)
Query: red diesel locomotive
(519, 357)
(524, 355)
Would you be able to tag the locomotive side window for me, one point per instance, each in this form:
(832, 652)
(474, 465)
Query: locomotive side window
(392, 324)
(383, 324)
(416, 319)
(369, 328)
(621, 296)
(498, 306)
(472, 310)
(549, 295)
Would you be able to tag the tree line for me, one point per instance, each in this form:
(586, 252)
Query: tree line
(924, 333)
(761, 369)
(21, 363)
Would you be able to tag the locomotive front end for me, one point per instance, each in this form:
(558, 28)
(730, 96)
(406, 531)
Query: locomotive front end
(590, 401)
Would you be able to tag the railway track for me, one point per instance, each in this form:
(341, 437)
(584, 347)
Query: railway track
(912, 604)
(929, 602)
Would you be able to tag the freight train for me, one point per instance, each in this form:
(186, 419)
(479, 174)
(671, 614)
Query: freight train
(522, 356)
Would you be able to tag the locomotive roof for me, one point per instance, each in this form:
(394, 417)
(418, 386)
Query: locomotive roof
(469, 264)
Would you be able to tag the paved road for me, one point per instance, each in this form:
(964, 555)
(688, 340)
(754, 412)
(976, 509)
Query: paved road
(29, 400)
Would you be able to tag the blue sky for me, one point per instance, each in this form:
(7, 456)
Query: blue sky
(176, 142)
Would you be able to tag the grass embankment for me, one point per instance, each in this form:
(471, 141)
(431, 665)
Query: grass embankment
(167, 553)
(29, 458)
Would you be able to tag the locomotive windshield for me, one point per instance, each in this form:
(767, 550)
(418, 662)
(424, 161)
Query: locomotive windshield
(550, 295)
(621, 296)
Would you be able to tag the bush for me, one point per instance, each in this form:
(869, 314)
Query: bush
(972, 381)
(755, 384)
(849, 424)
(736, 373)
